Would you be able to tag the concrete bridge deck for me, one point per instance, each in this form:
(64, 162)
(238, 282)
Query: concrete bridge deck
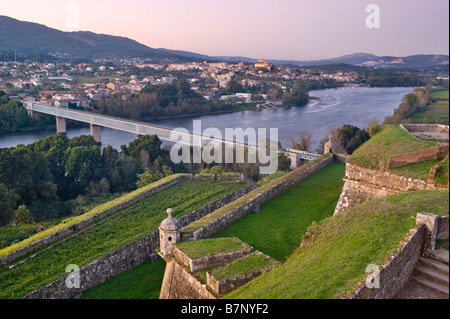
(140, 128)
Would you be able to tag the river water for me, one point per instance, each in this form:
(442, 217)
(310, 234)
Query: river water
(336, 107)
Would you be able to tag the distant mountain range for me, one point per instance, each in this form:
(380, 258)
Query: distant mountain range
(27, 37)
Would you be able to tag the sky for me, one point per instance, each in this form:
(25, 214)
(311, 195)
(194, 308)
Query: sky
(281, 29)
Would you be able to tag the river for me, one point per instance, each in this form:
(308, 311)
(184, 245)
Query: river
(336, 107)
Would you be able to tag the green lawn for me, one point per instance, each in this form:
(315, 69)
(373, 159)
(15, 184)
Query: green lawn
(338, 249)
(439, 95)
(141, 282)
(278, 228)
(132, 224)
(202, 248)
(392, 140)
(436, 112)
(243, 266)
(419, 170)
(420, 118)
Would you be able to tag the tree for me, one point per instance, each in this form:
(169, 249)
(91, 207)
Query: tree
(305, 141)
(300, 94)
(82, 141)
(351, 137)
(284, 162)
(233, 87)
(150, 143)
(145, 159)
(150, 176)
(22, 215)
(273, 94)
(27, 173)
(8, 199)
(84, 165)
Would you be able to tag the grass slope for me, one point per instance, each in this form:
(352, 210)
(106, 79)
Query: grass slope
(392, 140)
(278, 228)
(141, 282)
(72, 221)
(338, 249)
(132, 224)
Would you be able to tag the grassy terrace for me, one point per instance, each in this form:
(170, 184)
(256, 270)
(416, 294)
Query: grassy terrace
(207, 247)
(339, 248)
(69, 222)
(437, 110)
(278, 228)
(264, 230)
(419, 170)
(392, 140)
(440, 95)
(244, 199)
(141, 282)
(243, 266)
(133, 223)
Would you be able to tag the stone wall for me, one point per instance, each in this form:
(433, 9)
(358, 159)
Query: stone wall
(434, 153)
(179, 283)
(437, 128)
(223, 286)
(126, 257)
(358, 192)
(102, 269)
(442, 232)
(230, 177)
(253, 202)
(362, 184)
(397, 269)
(63, 233)
(196, 264)
(341, 158)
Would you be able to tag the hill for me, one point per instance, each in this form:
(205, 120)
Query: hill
(27, 37)
(336, 251)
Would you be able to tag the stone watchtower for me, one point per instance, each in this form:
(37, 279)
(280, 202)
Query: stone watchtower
(169, 233)
(328, 147)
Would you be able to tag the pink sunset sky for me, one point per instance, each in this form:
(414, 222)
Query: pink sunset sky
(281, 29)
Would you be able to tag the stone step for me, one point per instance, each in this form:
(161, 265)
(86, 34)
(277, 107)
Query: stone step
(432, 275)
(435, 264)
(438, 254)
(432, 285)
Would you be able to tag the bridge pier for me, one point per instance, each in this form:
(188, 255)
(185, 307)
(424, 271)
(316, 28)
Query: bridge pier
(138, 136)
(96, 133)
(34, 115)
(61, 125)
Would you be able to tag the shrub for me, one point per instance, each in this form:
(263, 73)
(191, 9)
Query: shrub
(374, 129)
(22, 215)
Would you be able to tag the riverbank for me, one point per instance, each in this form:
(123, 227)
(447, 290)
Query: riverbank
(69, 124)
(336, 107)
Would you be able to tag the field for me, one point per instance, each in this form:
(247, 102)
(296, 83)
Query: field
(133, 223)
(437, 111)
(440, 95)
(338, 249)
(278, 228)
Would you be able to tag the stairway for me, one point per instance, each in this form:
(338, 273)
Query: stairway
(432, 271)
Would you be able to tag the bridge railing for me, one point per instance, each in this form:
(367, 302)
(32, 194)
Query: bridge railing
(144, 128)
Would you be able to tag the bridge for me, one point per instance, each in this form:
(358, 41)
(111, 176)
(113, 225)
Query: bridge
(140, 128)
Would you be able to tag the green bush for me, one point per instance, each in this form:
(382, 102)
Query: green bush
(374, 129)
